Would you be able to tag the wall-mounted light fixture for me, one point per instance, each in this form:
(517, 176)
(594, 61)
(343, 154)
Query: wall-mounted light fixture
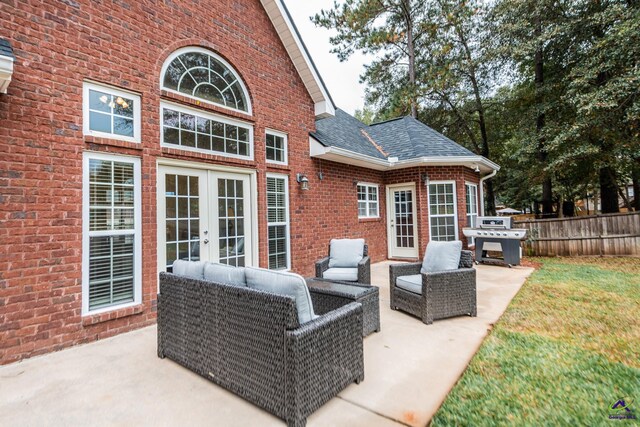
(477, 169)
(424, 178)
(320, 176)
(303, 181)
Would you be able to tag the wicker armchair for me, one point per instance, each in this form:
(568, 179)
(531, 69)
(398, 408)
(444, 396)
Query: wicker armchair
(251, 343)
(364, 267)
(443, 294)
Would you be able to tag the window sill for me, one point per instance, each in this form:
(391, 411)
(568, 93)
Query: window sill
(278, 166)
(94, 319)
(177, 153)
(204, 106)
(376, 219)
(95, 140)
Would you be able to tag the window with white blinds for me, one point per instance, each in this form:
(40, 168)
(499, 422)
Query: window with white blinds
(278, 222)
(111, 234)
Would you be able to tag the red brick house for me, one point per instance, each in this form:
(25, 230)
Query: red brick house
(135, 133)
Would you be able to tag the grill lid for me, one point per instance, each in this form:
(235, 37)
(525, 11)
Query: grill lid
(494, 222)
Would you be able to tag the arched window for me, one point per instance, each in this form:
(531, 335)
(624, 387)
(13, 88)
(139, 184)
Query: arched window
(201, 74)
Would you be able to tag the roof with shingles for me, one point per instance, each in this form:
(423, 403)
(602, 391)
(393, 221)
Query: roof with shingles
(404, 137)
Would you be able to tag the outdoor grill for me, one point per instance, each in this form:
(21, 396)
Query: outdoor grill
(494, 233)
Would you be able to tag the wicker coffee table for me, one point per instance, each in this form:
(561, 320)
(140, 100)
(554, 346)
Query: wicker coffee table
(327, 295)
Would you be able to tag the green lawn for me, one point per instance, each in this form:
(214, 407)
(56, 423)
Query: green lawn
(567, 347)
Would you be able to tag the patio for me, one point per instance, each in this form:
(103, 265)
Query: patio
(409, 369)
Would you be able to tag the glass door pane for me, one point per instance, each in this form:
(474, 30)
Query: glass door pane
(404, 218)
(181, 216)
(232, 221)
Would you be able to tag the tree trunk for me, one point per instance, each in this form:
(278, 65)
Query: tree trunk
(490, 205)
(568, 208)
(635, 178)
(608, 191)
(547, 186)
(412, 58)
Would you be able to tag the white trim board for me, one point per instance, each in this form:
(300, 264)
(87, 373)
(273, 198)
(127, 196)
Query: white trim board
(301, 60)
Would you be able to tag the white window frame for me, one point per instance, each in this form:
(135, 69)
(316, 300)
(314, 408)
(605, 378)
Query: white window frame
(179, 52)
(86, 233)
(209, 116)
(287, 223)
(368, 202)
(286, 146)
(455, 207)
(471, 188)
(137, 123)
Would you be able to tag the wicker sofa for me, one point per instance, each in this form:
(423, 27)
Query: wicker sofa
(443, 294)
(363, 266)
(251, 342)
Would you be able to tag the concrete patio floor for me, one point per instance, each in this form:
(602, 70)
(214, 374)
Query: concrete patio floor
(409, 369)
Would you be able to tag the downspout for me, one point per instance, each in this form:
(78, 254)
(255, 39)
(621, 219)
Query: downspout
(482, 180)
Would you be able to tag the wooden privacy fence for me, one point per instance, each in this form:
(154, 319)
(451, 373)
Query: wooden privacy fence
(610, 234)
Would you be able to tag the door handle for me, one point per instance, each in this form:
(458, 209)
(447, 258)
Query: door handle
(206, 241)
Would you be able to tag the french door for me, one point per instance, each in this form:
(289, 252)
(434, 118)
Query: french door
(402, 230)
(203, 215)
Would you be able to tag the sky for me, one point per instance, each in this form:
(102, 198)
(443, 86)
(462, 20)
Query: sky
(341, 78)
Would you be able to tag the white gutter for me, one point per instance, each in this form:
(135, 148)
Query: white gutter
(447, 161)
(482, 180)
(341, 155)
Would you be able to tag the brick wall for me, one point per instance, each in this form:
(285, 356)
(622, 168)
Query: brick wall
(459, 174)
(123, 44)
(58, 45)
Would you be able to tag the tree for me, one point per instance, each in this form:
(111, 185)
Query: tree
(458, 72)
(604, 90)
(387, 29)
(582, 56)
(448, 66)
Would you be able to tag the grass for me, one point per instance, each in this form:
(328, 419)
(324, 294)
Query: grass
(566, 348)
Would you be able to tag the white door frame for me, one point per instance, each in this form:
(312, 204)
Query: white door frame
(391, 217)
(194, 166)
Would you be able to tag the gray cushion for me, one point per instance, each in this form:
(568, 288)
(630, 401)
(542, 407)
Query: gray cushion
(346, 252)
(193, 269)
(411, 283)
(337, 273)
(222, 273)
(441, 256)
(281, 283)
